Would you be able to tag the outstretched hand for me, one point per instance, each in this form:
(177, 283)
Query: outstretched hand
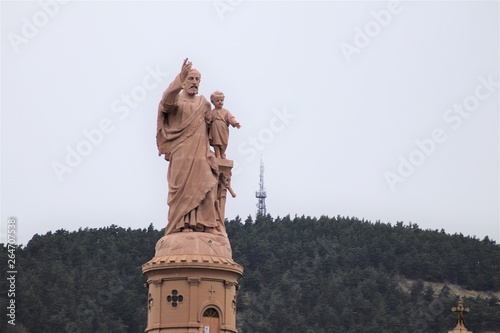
(186, 67)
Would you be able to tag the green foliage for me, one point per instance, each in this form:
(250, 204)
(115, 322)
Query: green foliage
(301, 274)
(84, 281)
(340, 275)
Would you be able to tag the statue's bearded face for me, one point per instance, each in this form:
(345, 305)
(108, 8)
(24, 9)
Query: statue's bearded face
(192, 82)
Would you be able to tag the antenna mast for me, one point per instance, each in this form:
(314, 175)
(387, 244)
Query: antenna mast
(261, 193)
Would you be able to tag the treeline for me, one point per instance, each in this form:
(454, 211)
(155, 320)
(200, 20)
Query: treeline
(340, 274)
(301, 275)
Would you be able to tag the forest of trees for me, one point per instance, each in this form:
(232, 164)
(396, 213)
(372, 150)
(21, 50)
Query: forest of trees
(302, 274)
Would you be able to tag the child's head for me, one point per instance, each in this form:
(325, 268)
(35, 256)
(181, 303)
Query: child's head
(217, 98)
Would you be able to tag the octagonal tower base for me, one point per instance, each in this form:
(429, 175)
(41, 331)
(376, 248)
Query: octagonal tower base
(192, 284)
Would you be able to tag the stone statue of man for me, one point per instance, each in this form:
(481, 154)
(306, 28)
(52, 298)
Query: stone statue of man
(192, 171)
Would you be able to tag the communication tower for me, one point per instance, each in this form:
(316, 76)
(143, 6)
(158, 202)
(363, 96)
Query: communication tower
(261, 193)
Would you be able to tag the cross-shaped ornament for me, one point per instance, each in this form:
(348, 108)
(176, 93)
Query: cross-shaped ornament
(212, 292)
(460, 310)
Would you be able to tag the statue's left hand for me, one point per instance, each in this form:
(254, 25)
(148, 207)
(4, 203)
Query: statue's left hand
(209, 118)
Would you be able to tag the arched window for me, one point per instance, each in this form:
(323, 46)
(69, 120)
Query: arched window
(211, 312)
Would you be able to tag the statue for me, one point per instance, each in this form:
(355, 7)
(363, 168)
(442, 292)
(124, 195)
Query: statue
(220, 120)
(193, 261)
(193, 172)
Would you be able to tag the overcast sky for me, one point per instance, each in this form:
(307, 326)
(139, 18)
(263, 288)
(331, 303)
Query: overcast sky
(379, 110)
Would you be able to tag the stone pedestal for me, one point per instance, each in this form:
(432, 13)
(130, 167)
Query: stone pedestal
(460, 329)
(192, 284)
(225, 167)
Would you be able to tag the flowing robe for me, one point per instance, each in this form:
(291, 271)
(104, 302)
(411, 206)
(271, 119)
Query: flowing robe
(192, 182)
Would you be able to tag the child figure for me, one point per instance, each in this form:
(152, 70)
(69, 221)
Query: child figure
(220, 119)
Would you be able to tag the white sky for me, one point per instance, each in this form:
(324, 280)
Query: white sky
(331, 109)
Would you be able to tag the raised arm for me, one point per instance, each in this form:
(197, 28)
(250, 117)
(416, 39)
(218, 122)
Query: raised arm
(171, 95)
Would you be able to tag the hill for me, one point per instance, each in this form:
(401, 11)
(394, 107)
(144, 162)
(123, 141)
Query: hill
(301, 274)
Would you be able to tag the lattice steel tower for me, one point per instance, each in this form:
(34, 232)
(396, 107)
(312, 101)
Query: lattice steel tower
(261, 193)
